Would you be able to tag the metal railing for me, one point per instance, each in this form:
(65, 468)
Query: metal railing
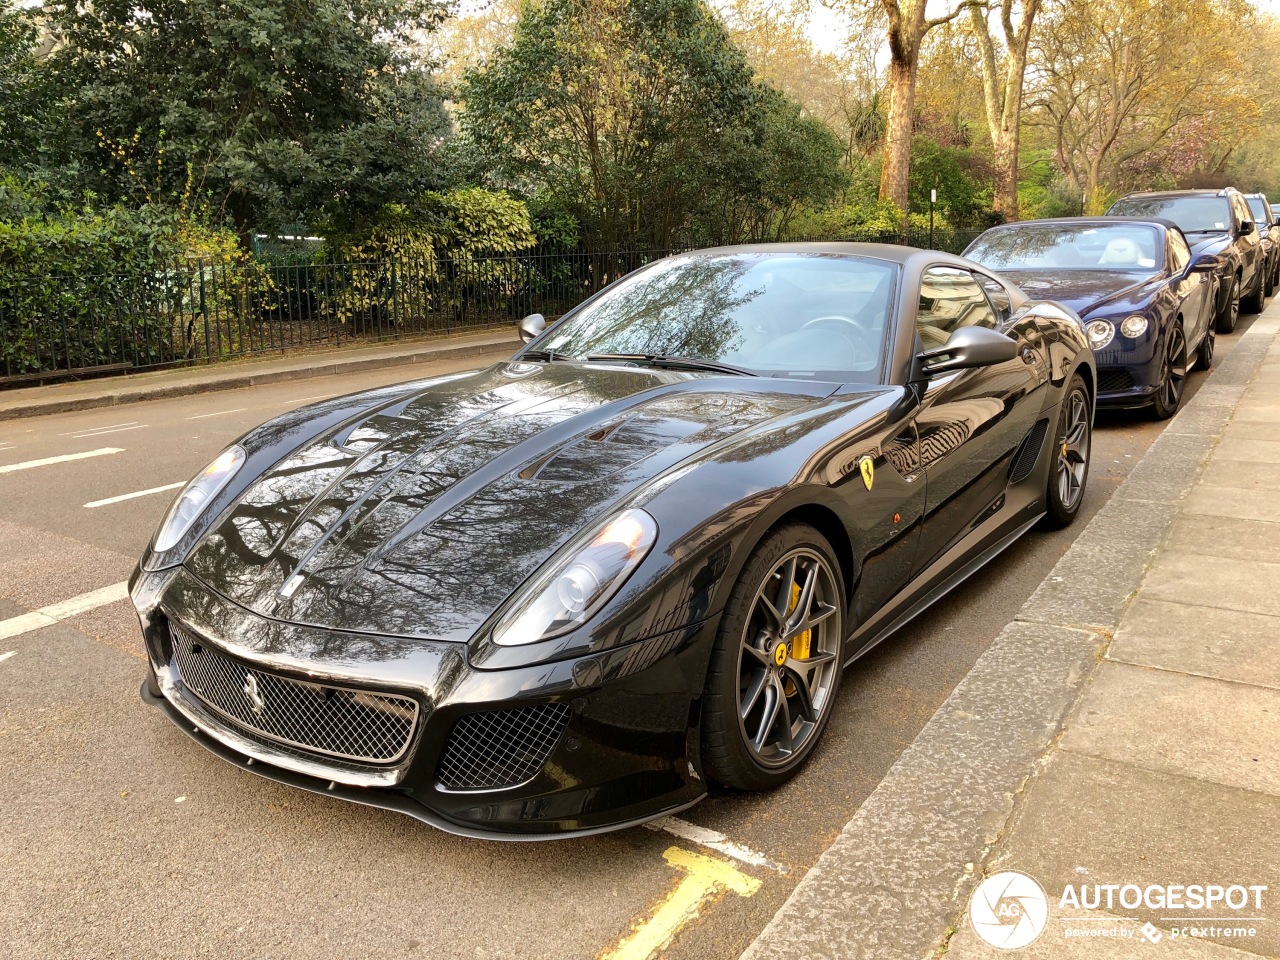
(199, 313)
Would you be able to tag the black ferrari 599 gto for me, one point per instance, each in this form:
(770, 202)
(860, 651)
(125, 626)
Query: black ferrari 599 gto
(565, 593)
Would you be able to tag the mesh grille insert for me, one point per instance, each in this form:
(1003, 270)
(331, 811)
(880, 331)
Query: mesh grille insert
(1113, 381)
(340, 722)
(501, 748)
(1029, 452)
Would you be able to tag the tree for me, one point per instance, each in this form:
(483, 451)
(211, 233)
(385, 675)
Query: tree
(1117, 81)
(635, 115)
(273, 109)
(907, 27)
(18, 93)
(1002, 87)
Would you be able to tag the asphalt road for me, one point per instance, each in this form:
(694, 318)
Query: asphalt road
(121, 837)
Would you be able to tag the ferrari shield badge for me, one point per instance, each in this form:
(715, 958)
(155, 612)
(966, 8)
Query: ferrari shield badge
(868, 467)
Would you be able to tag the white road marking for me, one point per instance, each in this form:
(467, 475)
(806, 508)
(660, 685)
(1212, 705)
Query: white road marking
(6, 656)
(103, 433)
(65, 458)
(109, 426)
(713, 840)
(94, 504)
(220, 413)
(57, 612)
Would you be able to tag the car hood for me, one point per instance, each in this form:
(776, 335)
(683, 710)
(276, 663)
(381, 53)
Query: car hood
(421, 516)
(1082, 290)
(1210, 243)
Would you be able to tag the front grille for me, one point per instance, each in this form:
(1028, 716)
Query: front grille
(1114, 381)
(341, 722)
(500, 748)
(1029, 452)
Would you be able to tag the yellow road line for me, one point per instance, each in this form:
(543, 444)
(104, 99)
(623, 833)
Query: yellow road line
(705, 879)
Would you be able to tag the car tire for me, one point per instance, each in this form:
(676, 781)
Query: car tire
(1258, 299)
(1271, 274)
(1173, 374)
(749, 680)
(1073, 443)
(1204, 352)
(1226, 321)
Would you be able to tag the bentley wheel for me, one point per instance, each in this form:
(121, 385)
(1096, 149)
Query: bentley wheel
(1258, 299)
(1204, 352)
(776, 665)
(1173, 375)
(1230, 315)
(1072, 444)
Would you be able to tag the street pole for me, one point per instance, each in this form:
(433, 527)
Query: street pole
(933, 198)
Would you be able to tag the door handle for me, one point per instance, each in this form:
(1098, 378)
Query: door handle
(1028, 355)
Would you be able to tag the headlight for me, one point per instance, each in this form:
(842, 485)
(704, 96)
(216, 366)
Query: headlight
(1133, 327)
(576, 588)
(1100, 333)
(195, 496)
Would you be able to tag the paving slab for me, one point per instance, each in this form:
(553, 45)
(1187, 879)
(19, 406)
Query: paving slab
(1157, 829)
(1224, 537)
(1168, 476)
(1248, 475)
(1184, 578)
(1249, 448)
(1205, 641)
(1218, 730)
(1258, 504)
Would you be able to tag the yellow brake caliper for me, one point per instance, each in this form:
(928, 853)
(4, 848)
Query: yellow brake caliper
(799, 645)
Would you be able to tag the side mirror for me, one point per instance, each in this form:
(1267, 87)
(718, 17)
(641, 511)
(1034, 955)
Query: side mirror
(531, 326)
(1208, 263)
(968, 347)
(1246, 228)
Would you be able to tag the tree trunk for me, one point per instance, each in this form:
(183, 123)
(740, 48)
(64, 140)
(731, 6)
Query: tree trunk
(896, 172)
(1006, 163)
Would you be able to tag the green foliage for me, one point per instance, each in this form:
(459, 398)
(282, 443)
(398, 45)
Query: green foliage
(962, 177)
(18, 91)
(638, 117)
(854, 220)
(270, 107)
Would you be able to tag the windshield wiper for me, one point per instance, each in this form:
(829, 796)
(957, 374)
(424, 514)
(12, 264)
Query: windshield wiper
(1207, 230)
(547, 356)
(670, 362)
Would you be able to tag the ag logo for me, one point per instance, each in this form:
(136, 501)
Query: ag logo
(868, 467)
(1008, 910)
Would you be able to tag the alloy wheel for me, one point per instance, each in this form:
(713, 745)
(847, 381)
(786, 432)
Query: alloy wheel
(1173, 374)
(1073, 450)
(788, 663)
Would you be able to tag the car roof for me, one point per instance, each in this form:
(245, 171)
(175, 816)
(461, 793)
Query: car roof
(1092, 221)
(889, 252)
(1206, 192)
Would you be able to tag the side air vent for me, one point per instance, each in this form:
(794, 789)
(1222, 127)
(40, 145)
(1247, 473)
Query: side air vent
(1024, 461)
(500, 748)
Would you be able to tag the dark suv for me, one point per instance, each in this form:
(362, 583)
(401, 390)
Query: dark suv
(1216, 222)
(1269, 230)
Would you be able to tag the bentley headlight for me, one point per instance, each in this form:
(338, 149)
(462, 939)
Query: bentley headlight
(1133, 327)
(574, 589)
(1100, 333)
(195, 497)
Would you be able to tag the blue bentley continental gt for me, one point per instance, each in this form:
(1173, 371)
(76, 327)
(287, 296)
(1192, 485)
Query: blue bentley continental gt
(1147, 303)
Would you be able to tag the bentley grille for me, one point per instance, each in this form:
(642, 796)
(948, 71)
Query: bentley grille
(342, 722)
(500, 748)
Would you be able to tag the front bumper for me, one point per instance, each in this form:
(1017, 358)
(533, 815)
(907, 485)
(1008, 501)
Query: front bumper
(1128, 377)
(627, 750)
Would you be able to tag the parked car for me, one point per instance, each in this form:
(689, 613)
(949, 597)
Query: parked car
(562, 594)
(1269, 230)
(1146, 301)
(1217, 222)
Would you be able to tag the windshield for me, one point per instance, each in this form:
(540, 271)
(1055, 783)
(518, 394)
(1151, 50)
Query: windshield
(1195, 214)
(1258, 206)
(819, 316)
(1124, 246)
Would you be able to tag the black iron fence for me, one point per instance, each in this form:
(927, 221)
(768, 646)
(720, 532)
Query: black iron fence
(199, 313)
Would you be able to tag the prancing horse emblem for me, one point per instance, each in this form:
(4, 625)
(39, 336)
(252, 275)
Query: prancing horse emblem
(254, 694)
(868, 467)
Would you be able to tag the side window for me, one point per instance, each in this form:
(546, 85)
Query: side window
(1179, 253)
(1241, 208)
(950, 299)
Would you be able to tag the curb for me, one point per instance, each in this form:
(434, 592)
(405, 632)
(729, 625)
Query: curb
(138, 393)
(897, 878)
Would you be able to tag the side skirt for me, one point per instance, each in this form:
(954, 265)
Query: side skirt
(934, 584)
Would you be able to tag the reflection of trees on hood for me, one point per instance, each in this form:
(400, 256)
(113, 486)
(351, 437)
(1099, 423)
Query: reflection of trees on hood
(689, 309)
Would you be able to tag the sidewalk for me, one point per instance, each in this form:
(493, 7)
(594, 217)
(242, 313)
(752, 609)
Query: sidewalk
(486, 346)
(1125, 729)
